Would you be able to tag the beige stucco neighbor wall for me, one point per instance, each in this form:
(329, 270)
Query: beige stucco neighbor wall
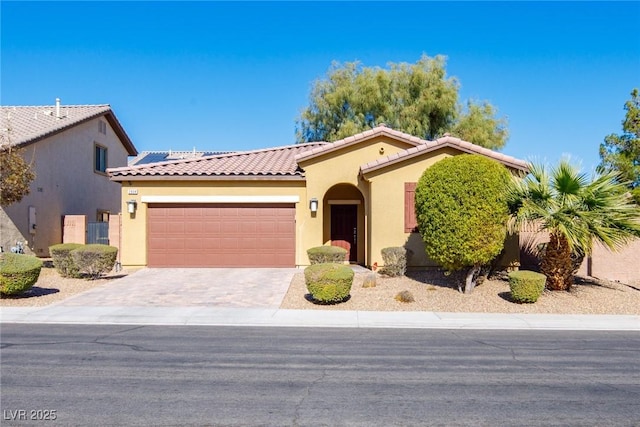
(622, 265)
(66, 183)
(134, 226)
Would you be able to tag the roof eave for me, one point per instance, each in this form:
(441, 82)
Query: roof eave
(121, 133)
(522, 166)
(364, 136)
(110, 117)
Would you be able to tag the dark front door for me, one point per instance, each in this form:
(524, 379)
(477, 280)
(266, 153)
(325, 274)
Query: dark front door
(344, 226)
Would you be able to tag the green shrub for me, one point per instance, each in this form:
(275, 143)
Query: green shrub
(326, 254)
(18, 273)
(526, 286)
(395, 261)
(62, 259)
(329, 283)
(95, 260)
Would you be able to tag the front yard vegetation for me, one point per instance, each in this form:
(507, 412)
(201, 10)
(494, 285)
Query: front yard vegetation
(18, 272)
(462, 213)
(576, 211)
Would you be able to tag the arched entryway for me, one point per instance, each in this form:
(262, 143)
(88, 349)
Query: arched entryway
(344, 222)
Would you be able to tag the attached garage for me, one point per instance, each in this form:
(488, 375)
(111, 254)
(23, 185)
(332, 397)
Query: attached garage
(221, 235)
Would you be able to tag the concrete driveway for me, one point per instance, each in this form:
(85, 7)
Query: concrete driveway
(192, 287)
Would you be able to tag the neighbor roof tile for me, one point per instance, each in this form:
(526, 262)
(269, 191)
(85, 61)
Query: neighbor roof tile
(22, 125)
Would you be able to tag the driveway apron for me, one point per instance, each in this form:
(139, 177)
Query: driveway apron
(192, 287)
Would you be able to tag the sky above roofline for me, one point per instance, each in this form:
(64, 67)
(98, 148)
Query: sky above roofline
(234, 76)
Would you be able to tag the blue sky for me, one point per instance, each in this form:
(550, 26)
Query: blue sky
(234, 76)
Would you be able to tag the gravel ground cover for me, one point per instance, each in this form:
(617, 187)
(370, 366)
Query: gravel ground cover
(432, 291)
(51, 288)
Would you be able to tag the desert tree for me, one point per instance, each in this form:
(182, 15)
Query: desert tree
(419, 99)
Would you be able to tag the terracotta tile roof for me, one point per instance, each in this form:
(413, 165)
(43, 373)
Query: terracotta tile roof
(24, 125)
(445, 141)
(376, 131)
(269, 163)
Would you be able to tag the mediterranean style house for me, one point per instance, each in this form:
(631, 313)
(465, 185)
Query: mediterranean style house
(265, 208)
(69, 148)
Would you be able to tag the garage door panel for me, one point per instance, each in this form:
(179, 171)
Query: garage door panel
(216, 235)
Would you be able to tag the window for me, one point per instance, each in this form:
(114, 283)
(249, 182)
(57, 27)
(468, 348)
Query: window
(410, 221)
(102, 127)
(103, 216)
(100, 159)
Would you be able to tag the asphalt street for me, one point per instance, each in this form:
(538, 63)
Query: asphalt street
(106, 375)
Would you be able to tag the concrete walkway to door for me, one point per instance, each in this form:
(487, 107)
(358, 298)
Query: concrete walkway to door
(192, 287)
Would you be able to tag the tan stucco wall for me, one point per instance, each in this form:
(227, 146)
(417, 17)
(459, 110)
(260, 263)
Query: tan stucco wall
(386, 218)
(134, 227)
(66, 184)
(387, 208)
(332, 177)
(343, 167)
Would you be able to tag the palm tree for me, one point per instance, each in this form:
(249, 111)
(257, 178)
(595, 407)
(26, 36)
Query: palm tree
(576, 212)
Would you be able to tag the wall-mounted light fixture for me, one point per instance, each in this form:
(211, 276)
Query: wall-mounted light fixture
(313, 205)
(131, 206)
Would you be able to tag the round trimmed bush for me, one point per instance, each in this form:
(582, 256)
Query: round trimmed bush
(95, 260)
(18, 273)
(326, 254)
(329, 283)
(62, 259)
(526, 286)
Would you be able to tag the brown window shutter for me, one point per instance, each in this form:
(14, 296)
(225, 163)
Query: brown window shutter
(410, 222)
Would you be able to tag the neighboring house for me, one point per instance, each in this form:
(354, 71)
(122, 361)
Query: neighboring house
(69, 148)
(265, 208)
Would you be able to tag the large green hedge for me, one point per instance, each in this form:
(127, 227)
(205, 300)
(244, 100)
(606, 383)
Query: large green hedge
(18, 272)
(462, 212)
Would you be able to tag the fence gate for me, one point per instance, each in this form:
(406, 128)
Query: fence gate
(98, 232)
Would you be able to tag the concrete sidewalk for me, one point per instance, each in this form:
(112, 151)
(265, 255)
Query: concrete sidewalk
(226, 316)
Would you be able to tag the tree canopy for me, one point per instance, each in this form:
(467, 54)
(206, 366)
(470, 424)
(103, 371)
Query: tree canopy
(462, 212)
(15, 174)
(621, 153)
(419, 99)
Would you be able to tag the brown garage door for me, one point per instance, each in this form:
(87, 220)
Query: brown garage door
(221, 235)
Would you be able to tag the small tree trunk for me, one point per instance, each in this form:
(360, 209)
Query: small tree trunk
(557, 264)
(470, 280)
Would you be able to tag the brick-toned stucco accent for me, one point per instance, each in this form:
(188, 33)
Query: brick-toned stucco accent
(623, 265)
(74, 229)
(115, 222)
